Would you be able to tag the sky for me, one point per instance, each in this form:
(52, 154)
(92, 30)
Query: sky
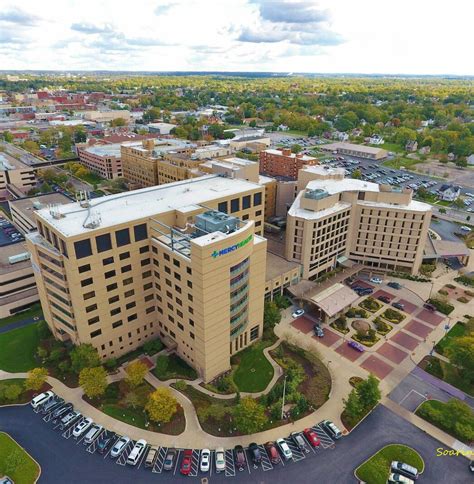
(326, 36)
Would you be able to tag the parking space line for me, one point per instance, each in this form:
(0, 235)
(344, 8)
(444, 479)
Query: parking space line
(295, 450)
(247, 461)
(409, 393)
(308, 443)
(81, 437)
(160, 460)
(326, 441)
(213, 463)
(229, 463)
(91, 448)
(122, 460)
(112, 446)
(176, 463)
(142, 458)
(195, 463)
(266, 462)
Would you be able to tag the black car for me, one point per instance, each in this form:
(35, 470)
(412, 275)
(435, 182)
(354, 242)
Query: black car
(398, 305)
(255, 453)
(394, 285)
(106, 442)
(239, 456)
(384, 299)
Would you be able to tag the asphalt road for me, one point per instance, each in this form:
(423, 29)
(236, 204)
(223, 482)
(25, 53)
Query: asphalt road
(446, 230)
(67, 460)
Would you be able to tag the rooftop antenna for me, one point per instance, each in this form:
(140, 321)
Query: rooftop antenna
(54, 211)
(94, 220)
(84, 201)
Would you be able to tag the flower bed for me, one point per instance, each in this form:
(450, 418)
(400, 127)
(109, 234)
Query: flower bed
(393, 316)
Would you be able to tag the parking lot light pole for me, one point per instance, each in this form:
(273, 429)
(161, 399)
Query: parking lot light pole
(283, 401)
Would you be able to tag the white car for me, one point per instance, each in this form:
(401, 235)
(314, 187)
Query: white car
(298, 313)
(220, 460)
(137, 452)
(399, 479)
(119, 446)
(205, 460)
(93, 433)
(376, 280)
(41, 399)
(465, 228)
(82, 426)
(284, 449)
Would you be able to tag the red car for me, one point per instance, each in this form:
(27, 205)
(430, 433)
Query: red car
(186, 462)
(312, 437)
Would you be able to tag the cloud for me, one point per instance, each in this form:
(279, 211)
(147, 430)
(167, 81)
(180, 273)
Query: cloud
(163, 7)
(16, 16)
(88, 28)
(292, 12)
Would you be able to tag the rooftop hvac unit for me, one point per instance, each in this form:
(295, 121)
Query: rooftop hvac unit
(214, 221)
(19, 257)
(37, 205)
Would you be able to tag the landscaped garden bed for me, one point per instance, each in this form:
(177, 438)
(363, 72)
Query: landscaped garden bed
(370, 304)
(454, 417)
(12, 391)
(365, 334)
(172, 366)
(377, 469)
(381, 326)
(442, 306)
(393, 316)
(340, 324)
(356, 313)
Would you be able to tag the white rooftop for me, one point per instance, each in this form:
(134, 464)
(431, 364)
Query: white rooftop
(105, 150)
(344, 185)
(146, 202)
(272, 151)
(323, 170)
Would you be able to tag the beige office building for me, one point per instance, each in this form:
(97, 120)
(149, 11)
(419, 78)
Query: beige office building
(335, 218)
(15, 176)
(184, 262)
(359, 151)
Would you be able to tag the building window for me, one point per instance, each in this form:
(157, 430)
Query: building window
(115, 311)
(234, 205)
(129, 293)
(191, 335)
(140, 232)
(122, 237)
(88, 295)
(93, 320)
(126, 268)
(109, 274)
(257, 198)
(246, 202)
(222, 207)
(83, 248)
(124, 255)
(127, 281)
(117, 324)
(145, 262)
(85, 268)
(132, 317)
(150, 309)
(87, 282)
(176, 262)
(254, 333)
(107, 261)
(113, 299)
(95, 333)
(91, 308)
(111, 287)
(144, 249)
(131, 305)
(146, 274)
(103, 242)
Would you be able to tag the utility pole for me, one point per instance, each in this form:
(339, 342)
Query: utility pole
(283, 401)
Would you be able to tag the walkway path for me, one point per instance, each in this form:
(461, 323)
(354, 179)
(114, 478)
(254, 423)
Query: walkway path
(19, 324)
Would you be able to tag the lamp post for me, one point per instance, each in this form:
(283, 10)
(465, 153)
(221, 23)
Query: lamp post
(283, 400)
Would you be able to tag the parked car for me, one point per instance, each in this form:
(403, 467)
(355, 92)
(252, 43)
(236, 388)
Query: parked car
(471, 466)
(51, 404)
(376, 280)
(298, 440)
(82, 426)
(394, 285)
(298, 313)
(239, 456)
(69, 418)
(93, 433)
(384, 299)
(398, 305)
(255, 453)
(357, 346)
(220, 459)
(134, 457)
(185, 468)
(429, 306)
(318, 331)
(404, 469)
(364, 291)
(205, 460)
(285, 450)
(170, 459)
(41, 399)
(272, 452)
(312, 437)
(399, 479)
(465, 228)
(331, 429)
(119, 446)
(105, 442)
(62, 410)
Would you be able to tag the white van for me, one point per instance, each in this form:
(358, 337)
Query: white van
(41, 399)
(137, 452)
(93, 433)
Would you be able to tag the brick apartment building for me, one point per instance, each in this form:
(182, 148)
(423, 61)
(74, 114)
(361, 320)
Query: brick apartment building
(283, 162)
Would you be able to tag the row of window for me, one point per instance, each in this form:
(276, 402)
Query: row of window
(235, 203)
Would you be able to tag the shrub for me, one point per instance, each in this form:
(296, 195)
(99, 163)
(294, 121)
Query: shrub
(466, 280)
(469, 293)
(463, 299)
(181, 385)
(442, 306)
(110, 363)
(451, 286)
(371, 304)
(152, 347)
(381, 325)
(393, 316)
(443, 292)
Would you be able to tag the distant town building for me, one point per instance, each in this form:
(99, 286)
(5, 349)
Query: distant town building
(103, 159)
(107, 116)
(274, 162)
(376, 139)
(449, 193)
(161, 128)
(470, 159)
(359, 151)
(411, 145)
(15, 174)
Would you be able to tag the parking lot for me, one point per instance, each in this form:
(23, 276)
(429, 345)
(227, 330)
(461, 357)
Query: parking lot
(53, 422)
(9, 234)
(66, 460)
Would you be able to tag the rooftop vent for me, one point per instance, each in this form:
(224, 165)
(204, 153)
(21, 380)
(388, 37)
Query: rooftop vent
(54, 212)
(93, 221)
(316, 193)
(214, 221)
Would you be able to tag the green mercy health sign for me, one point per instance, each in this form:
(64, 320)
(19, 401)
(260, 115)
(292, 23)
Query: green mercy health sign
(217, 253)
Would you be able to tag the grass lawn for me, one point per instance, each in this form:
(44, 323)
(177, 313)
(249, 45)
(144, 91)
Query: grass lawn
(18, 348)
(457, 331)
(377, 469)
(398, 162)
(390, 147)
(15, 462)
(35, 310)
(254, 372)
(173, 366)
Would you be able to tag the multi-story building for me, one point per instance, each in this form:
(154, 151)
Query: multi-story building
(183, 261)
(101, 159)
(283, 162)
(140, 159)
(15, 175)
(17, 281)
(359, 151)
(376, 225)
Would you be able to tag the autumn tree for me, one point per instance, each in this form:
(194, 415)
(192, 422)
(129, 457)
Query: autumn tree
(136, 372)
(249, 416)
(93, 381)
(84, 356)
(161, 405)
(36, 378)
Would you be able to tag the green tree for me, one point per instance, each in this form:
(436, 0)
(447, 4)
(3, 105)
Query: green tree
(136, 372)
(357, 174)
(461, 353)
(36, 378)
(161, 405)
(118, 122)
(271, 314)
(84, 356)
(93, 381)
(369, 392)
(353, 406)
(132, 399)
(249, 416)
(12, 392)
(458, 203)
(296, 148)
(8, 137)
